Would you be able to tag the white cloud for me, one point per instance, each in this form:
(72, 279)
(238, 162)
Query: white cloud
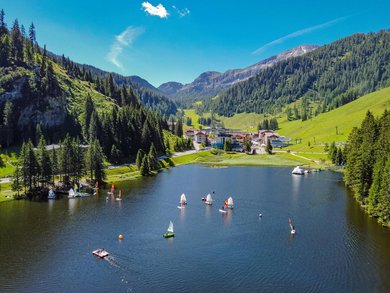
(158, 10)
(125, 39)
(182, 12)
(298, 33)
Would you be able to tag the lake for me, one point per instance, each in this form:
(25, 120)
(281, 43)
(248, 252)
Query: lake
(46, 246)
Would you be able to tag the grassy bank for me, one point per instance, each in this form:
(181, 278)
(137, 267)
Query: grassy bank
(239, 159)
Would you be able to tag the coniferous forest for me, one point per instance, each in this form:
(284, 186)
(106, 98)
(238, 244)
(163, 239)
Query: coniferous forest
(330, 76)
(368, 165)
(46, 99)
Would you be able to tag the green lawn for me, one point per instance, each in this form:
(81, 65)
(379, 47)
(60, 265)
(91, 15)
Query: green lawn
(242, 121)
(238, 159)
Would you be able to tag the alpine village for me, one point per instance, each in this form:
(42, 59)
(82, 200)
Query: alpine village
(97, 162)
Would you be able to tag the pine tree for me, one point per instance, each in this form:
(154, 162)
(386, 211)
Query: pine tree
(17, 182)
(145, 169)
(139, 159)
(32, 34)
(4, 50)
(153, 162)
(115, 155)
(3, 25)
(16, 43)
(54, 163)
(88, 110)
(44, 163)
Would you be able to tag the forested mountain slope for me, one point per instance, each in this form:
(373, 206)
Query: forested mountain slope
(330, 76)
(43, 95)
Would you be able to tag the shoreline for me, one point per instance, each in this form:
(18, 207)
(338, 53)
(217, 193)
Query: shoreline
(211, 158)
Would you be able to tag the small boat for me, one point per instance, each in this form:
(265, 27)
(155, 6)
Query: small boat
(183, 199)
(100, 253)
(181, 207)
(73, 194)
(229, 203)
(51, 194)
(291, 226)
(222, 210)
(111, 190)
(209, 199)
(298, 171)
(169, 232)
(83, 194)
(119, 195)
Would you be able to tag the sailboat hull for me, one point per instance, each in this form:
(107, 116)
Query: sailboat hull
(168, 235)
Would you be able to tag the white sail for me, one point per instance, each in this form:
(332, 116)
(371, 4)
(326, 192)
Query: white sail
(170, 227)
(183, 199)
(209, 198)
(71, 193)
(230, 202)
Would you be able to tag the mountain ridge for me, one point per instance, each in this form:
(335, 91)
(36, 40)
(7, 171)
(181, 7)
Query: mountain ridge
(210, 83)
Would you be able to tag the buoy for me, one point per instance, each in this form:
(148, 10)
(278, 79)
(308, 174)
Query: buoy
(120, 237)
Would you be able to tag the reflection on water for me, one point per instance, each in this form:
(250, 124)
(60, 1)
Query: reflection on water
(44, 246)
(50, 205)
(296, 182)
(72, 205)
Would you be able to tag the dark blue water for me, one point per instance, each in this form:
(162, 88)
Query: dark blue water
(46, 247)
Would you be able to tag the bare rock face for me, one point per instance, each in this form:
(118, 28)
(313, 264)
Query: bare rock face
(16, 92)
(51, 112)
(54, 114)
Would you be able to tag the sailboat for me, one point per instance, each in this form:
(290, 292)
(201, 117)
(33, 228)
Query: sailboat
(169, 232)
(96, 185)
(119, 195)
(291, 226)
(183, 199)
(51, 195)
(72, 193)
(222, 210)
(229, 203)
(209, 199)
(298, 171)
(111, 190)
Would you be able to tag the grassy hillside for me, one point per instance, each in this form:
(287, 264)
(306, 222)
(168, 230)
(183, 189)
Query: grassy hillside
(194, 117)
(322, 129)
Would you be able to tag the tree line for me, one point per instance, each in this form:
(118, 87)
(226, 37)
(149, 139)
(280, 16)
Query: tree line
(36, 168)
(367, 170)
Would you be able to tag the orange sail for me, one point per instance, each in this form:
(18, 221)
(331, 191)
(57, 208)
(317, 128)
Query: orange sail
(97, 184)
(226, 203)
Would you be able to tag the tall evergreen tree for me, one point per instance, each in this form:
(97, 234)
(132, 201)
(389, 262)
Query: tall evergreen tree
(145, 168)
(3, 25)
(140, 156)
(44, 163)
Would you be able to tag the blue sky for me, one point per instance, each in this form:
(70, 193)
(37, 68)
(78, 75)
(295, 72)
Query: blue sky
(176, 40)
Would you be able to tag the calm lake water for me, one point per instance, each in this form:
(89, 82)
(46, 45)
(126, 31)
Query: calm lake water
(46, 246)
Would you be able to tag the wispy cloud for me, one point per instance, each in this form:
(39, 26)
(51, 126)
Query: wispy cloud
(299, 33)
(125, 39)
(182, 12)
(158, 10)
